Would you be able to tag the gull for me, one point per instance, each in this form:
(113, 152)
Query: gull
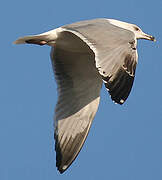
(85, 55)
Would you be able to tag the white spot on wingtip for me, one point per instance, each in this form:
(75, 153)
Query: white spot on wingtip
(121, 101)
(64, 167)
(114, 101)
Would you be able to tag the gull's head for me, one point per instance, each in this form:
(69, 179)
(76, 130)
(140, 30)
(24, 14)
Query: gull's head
(139, 34)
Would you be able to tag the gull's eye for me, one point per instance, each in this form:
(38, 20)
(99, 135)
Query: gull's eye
(136, 29)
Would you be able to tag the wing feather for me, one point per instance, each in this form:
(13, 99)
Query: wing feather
(115, 54)
(79, 87)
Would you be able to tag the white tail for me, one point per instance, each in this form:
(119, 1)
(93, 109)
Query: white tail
(48, 38)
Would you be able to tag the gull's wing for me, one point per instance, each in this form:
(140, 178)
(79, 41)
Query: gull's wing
(115, 54)
(79, 85)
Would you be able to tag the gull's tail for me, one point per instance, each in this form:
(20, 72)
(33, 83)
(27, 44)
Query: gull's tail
(48, 38)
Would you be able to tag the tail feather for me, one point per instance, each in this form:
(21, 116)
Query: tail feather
(30, 39)
(37, 39)
(40, 39)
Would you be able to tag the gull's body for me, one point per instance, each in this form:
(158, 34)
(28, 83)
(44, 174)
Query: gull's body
(84, 55)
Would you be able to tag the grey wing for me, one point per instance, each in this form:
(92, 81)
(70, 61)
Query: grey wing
(115, 54)
(79, 85)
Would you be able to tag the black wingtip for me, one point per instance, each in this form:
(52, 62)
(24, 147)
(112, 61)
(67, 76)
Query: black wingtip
(36, 41)
(120, 87)
(61, 171)
(116, 101)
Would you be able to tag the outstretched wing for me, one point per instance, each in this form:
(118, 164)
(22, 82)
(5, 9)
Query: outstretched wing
(79, 85)
(115, 54)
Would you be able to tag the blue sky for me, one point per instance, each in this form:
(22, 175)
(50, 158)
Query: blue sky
(125, 142)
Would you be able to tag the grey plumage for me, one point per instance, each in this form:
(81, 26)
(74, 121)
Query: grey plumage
(78, 99)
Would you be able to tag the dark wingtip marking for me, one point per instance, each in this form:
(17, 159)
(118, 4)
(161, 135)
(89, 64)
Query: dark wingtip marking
(119, 84)
(61, 170)
(120, 87)
(66, 156)
(36, 41)
(129, 65)
(58, 154)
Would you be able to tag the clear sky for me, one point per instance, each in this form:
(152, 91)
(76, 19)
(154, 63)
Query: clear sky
(125, 142)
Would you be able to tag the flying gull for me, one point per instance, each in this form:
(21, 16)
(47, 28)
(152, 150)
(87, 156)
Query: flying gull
(84, 55)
